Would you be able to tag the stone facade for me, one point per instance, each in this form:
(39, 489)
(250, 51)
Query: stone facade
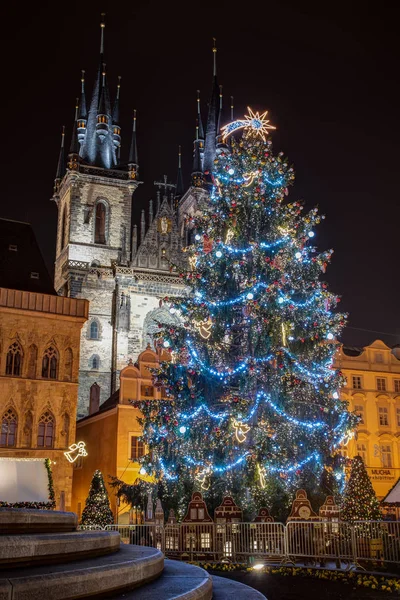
(31, 324)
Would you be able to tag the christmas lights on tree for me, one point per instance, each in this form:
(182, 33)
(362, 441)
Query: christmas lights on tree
(360, 502)
(252, 398)
(97, 509)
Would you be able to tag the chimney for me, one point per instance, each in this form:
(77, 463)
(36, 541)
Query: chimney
(94, 401)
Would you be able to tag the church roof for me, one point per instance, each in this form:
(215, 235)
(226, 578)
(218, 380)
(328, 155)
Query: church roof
(22, 266)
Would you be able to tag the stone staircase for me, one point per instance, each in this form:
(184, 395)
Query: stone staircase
(43, 557)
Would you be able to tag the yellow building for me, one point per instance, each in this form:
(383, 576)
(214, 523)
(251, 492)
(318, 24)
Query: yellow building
(39, 358)
(373, 391)
(111, 433)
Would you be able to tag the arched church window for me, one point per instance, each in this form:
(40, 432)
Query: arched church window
(100, 224)
(9, 424)
(68, 365)
(14, 359)
(46, 429)
(49, 363)
(94, 330)
(95, 362)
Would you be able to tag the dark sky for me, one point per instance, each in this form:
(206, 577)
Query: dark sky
(326, 71)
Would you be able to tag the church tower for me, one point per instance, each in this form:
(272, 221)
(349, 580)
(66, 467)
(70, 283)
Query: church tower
(94, 195)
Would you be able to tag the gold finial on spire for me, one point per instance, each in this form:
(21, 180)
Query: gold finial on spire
(83, 76)
(231, 108)
(62, 136)
(118, 85)
(76, 108)
(215, 55)
(134, 120)
(179, 156)
(102, 26)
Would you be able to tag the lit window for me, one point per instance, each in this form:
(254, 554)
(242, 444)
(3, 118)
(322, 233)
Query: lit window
(398, 416)
(397, 385)
(362, 451)
(381, 384)
(205, 540)
(383, 416)
(386, 456)
(14, 359)
(9, 424)
(359, 409)
(357, 383)
(49, 363)
(193, 514)
(45, 437)
(137, 448)
(201, 514)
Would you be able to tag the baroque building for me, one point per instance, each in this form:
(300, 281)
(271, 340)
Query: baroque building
(122, 269)
(39, 359)
(373, 392)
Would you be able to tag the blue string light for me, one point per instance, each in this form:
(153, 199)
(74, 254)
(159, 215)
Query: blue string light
(296, 467)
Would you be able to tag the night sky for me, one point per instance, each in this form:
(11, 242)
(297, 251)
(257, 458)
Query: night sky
(327, 72)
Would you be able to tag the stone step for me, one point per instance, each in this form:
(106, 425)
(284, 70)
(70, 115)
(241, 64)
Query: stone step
(43, 548)
(93, 577)
(21, 520)
(179, 581)
(226, 589)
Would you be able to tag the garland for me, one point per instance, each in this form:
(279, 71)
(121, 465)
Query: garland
(38, 505)
(374, 582)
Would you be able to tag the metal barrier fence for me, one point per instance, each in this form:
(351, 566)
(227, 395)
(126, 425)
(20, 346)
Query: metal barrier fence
(297, 542)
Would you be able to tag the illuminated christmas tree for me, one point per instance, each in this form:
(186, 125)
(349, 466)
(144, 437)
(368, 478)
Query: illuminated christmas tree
(360, 502)
(252, 402)
(97, 509)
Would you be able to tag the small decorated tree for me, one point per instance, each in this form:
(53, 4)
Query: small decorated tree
(97, 510)
(360, 502)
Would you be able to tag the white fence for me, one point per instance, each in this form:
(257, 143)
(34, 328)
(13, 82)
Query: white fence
(307, 542)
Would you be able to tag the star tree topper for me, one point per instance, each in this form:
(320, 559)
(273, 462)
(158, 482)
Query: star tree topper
(259, 124)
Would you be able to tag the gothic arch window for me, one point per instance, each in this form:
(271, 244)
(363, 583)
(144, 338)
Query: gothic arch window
(63, 228)
(46, 429)
(32, 360)
(151, 324)
(28, 425)
(100, 223)
(14, 359)
(94, 330)
(50, 363)
(95, 362)
(68, 365)
(9, 423)
(65, 431)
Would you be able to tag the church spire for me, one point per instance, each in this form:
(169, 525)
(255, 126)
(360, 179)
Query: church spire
(82, 112)
(179, 189)
(115, 122)
(60, 165)
(133, 163)
(74, 147)
(212, 120)
(197, 177)
(199, 120)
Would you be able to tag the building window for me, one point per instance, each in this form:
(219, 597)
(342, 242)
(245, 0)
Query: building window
(49, 363)
(94, 330)
(45, 437)
(147, 391)
(398, 416)
(397, 385)
(362, 451)
(383, 413)
(386, 455)
(357, 382)
(9, 424)
(359, 409)
(193, 514)
(95, 362)
(200, 514)
(205, 540)
(137, 448)
(63, 244)
(100, 224)
(381, 384)
(14, 360)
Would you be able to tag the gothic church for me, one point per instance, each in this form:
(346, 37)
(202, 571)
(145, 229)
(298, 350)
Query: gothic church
(100, 255)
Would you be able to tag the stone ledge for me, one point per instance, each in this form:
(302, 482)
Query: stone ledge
(179, 581)
(106, 575)
(226, 589)
(56, 547)
(21, 520)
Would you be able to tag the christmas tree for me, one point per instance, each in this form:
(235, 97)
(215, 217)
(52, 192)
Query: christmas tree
(360, 502)
(252, 401)
(97, 509)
